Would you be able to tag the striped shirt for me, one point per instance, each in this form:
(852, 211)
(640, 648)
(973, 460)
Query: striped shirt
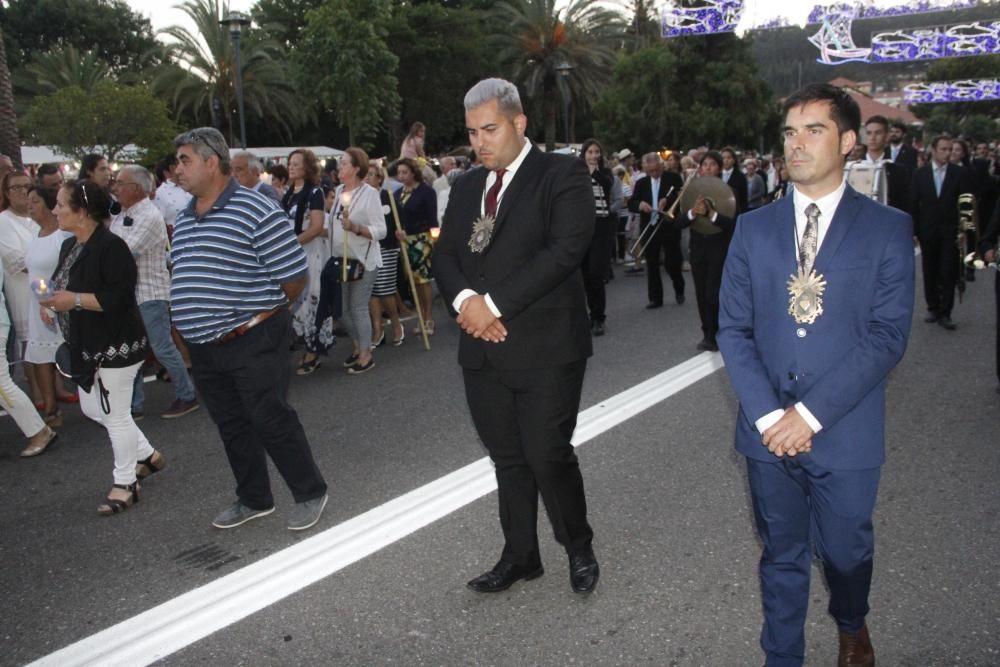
(230, 262)
(143, 229)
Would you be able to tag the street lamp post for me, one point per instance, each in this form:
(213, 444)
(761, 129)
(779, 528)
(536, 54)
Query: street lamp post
(236, 22)
(564, 69)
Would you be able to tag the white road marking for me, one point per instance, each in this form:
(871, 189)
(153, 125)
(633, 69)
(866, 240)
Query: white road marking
(180, 622)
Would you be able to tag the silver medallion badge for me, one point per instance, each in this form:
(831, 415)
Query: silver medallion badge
(805, 301)
(482, 232)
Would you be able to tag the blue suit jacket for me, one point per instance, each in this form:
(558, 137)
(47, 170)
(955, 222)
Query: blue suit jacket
(838, 365)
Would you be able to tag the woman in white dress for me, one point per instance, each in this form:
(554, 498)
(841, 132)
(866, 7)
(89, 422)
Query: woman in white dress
(304, 202)
(16, 230)
(41, 259)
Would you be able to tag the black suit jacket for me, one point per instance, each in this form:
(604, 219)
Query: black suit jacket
(643, 192)
(738, 182)
(936, 218)
(907, 156)
(898, 177)
(530, 269)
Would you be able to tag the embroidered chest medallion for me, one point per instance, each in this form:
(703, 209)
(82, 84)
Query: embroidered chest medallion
(805, 302)
(482, 232)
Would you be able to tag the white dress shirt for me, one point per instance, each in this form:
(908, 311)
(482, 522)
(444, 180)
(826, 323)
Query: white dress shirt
(171, 199)
(508, 177)
(827, 208)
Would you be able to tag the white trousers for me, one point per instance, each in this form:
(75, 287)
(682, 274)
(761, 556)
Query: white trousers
(127, 441)
(13, 400)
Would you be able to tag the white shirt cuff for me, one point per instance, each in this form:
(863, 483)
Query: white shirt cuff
(808, 416)
(465, 294)
(768, 420)
(460, 299)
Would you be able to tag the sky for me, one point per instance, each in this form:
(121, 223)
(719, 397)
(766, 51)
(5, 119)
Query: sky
(162, 14)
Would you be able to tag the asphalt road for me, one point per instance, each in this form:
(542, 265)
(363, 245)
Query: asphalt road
(667, 496)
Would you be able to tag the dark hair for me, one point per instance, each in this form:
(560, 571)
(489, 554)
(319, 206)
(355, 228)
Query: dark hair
(727, 149)
(309, 164)
(938, 139)
(359, 158)
(715, 156)
(881, 120)
(410, 164)
(844, 110)
(278, 171)
(586, 146)
(330, 165)
(89, 196)
(900, 125)
(46, 169)
(966, 156)
(165, 165)
(5, 185)
(48, 195)
(89, 163)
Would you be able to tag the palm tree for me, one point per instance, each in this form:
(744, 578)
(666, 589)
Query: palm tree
(549, 51)
(10, 140)
(201, 80)
(62, 68)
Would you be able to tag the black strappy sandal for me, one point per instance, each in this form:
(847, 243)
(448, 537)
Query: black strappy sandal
(146, 467)
(114, 506)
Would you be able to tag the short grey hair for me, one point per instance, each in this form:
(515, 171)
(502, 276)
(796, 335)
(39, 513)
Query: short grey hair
(501, 90)
(142, 177)
(253, 162)
(454, 175)
(651, 158)
(206, 142)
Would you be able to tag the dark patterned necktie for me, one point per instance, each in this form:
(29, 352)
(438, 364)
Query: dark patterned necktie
(494, 193)
(807, 248)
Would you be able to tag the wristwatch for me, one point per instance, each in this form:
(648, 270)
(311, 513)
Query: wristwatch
(76, 303)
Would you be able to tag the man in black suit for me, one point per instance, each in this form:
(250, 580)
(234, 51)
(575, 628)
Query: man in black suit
(897, 175)
(651, 196)
(934, 195)
(988, 250)
(735, 179)
(898, 150)
(513, 238)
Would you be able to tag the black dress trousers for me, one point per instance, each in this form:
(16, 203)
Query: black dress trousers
(526, 419)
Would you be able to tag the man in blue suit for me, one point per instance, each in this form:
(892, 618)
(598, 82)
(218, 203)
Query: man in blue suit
(816, 304)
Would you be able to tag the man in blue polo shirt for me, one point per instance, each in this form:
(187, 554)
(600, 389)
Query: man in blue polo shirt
(236, 267)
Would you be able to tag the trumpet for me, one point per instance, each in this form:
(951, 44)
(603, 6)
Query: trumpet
(966, 236)
(647, 234)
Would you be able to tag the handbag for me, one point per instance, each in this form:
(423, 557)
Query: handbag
(83, 377)
(333, 270)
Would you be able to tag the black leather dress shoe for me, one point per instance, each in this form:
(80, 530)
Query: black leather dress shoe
(654, 304)
(946, 322)
(583, 572)
(931, 319)
(503, 576)
(680, 299)
(708, 345)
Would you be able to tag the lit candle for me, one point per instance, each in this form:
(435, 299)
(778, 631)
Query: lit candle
(40, 287)
(345, 201)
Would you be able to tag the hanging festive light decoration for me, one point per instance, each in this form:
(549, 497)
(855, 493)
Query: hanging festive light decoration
(835, 20)
(968, 90)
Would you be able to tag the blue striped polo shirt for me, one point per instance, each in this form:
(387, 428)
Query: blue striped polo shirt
(229, 263)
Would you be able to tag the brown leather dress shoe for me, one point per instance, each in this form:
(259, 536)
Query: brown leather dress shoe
(856, 650)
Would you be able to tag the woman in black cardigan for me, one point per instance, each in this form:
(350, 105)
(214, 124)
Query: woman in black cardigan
(708, 253)
(94, 299)
(417, 204)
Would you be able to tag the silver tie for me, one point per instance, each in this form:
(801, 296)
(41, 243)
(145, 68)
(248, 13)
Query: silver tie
(807, 248)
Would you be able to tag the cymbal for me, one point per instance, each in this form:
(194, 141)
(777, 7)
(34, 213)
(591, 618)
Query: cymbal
(719, 195)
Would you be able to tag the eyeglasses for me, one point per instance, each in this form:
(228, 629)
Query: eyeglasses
(209, 137)
(18, 188)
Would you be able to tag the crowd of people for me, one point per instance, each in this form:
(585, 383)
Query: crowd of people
(344, 214)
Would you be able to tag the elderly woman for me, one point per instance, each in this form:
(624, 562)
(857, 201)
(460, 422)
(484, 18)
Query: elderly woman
(708, 252)
(417, 204)
(44, 338)
(357, 224)
(94, 299)
(384, 293)
(304, 203)
(16, 231)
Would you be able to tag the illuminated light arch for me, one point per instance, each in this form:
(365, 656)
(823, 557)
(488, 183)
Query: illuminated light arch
(967, 90)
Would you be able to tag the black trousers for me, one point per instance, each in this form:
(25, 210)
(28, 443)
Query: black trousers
(939, 257)
(666, 241)
(244, 385)
(595, 267)
(708, 258)
(996, 291)
(526, 419)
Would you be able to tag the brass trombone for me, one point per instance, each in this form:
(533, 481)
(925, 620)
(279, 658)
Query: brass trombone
(647, 234)
(967, 232)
